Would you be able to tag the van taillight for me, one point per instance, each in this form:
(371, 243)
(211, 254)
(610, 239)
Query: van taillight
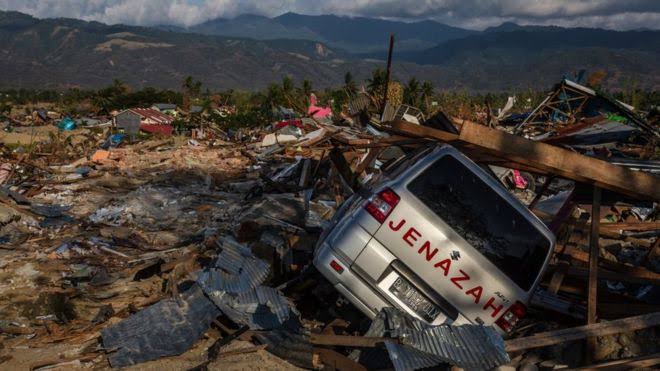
(380, 206)
(511, 317)
(336, 266)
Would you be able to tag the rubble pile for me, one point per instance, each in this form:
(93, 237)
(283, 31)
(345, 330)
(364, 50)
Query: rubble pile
(179, 253)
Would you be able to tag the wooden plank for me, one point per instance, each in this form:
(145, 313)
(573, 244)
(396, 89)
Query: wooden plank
(371, 156)
(653, 251)
(556, 160)
(406, 128)
(611, 276)
(581, 332)
(343, 167)
(558, 278)
(594, 251)
(626, 364)
(615, 235)
(241, 351)
(336, 361)
(348, 341)
(629, 226)
(638, 272)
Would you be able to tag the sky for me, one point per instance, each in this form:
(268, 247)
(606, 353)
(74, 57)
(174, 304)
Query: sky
(474, 14)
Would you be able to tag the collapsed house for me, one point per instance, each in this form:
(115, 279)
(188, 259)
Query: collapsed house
(134, 120)
(573, 113)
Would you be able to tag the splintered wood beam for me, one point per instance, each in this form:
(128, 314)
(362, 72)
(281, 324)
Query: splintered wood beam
(369, 158)
(629, 270)
(594, 250)
(558, 161)
(605, 275)
(407, 128)
(626, 364)
(577, 333)
(542, 158)
(337, 361)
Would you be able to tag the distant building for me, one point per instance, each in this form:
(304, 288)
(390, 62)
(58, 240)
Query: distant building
(90, 121)
(166, 108)
(146, 119)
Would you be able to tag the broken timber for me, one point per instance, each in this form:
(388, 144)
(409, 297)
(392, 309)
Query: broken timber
(581, 332)
(592, 301)
(540, 157)
(626, 364)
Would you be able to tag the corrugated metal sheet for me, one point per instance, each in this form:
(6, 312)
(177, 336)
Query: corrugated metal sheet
(394, 323)
(404, 357)
(153, 115)
(262, 308)
(471, 347)
(234, 285)
(167, 328)
(238, 271)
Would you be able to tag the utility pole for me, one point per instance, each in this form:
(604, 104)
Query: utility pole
(389, 70)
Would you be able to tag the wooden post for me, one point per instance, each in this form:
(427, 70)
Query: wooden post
(593, 269)
(389, 71)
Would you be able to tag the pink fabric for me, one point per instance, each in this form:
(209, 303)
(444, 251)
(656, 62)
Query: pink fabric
(316, 111)
(521, 183)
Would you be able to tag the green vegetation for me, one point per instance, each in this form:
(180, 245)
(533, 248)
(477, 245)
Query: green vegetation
(256, 108)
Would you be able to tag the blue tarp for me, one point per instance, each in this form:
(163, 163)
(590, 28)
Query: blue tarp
(67, 124)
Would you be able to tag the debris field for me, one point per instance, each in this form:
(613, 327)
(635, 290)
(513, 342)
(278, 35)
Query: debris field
(174, 252)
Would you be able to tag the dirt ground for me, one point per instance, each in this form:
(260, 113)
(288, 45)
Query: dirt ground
(25, 135)
(25, 358)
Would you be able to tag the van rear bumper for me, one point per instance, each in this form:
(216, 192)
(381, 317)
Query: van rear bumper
(352, 287)
(360, 293)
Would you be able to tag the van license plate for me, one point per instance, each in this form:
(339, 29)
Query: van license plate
(414, 299)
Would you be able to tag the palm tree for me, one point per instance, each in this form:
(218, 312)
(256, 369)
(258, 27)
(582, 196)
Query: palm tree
(191, 90)
(119, 87)
(411, 92)
(427, 93)
(273, 95)
(376, 84)
(287, 85)
(306, 90)
(349, 85)
(307, 87)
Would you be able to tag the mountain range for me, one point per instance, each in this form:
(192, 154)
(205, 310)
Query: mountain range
(353, 34)
(249, 52)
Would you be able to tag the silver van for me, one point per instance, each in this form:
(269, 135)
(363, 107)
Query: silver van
(439, 238)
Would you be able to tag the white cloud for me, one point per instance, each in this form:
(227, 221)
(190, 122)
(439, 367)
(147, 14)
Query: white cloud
(617, 14)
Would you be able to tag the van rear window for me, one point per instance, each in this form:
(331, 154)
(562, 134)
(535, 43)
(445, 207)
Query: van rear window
(483, 218)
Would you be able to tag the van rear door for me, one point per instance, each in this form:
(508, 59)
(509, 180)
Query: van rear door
(465, 236)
